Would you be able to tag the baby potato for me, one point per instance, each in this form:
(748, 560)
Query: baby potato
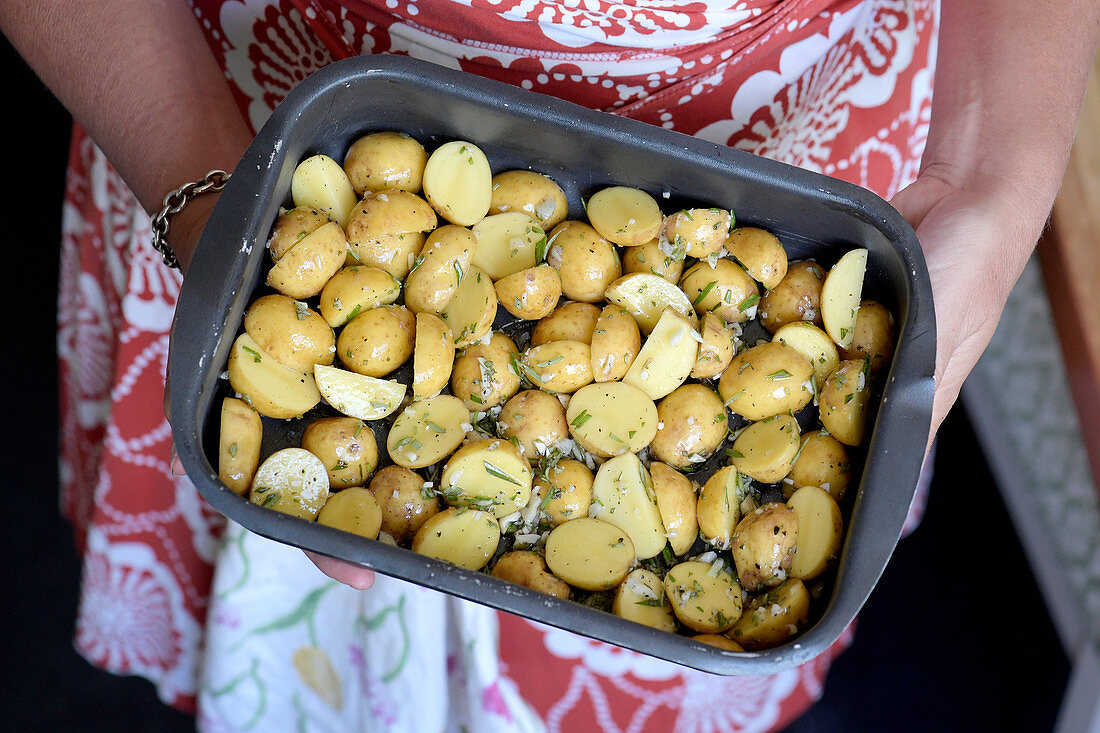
(589, 554)
(458, 182)
(764, 545)
(705, 601)
(647, 297)
(272, 389)
(378, 341)
(491, 475)
(427, 431)
(623, 493)
(641, 598)
(840, 294)
(320, 183)
(292, 227)
(717, 347)
(473, 308)
(611, 418)
(719, 507)
(305, 268)
(587, 262)
(437, 273)
(675, 494)
(508, 243)
(347, 448)
(482, 377)
(386, 159)
(354, 289)
(292, 481)
(433, 356)
(558, 366)
(766, 380)
(666, 358)
(844, 401)
(724, 289)
(403, 500)
(238, 444)
(820, 531)
(874, 336)
(572, 321)
(797, 297)
(718, 641)
(773, 617)
(292, 333)
(566, 491)
(526, 568)
(761, 254)
(649, 258)
(357, 395)
(530, 294)
(394, 253)
(533, 193)
(823, 462)
(699, 232)
(814, 344)
(353, 510)
(766, 450)
(616, 341)
(536, 419)
(459, 536)
(625, 216)
(389, 213)
(691, 424)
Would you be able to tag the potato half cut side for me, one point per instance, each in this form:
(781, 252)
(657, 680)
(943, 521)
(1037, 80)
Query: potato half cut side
(427, 431)
(508, 243)
(626, 216)
(491, 475)
(272, 389)
(292, 481)
(611, 418)
(646, 297)
(840, 296)
(820, 531)
(357, 395)
(641, 598)
(814, 344)
(460, 536)
(458, 182)
(321, 183)
(433, 356)
(622, 494)
(471, 310)
(666, 358)
(589, 554)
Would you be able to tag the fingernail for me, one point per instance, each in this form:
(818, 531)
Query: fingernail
(176, 466)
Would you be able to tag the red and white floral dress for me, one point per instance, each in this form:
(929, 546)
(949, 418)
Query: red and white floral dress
(839, 86)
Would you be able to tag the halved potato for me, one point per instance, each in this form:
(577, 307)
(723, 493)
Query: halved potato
(460, 536)
(508, 243)
(346, 446)
(558, 366)
(840, 296)
(760, 252)
(458, 182)
(820, 531)
(290, 331)
(616, 341)
(526, 568)
(676, 500)
(623, 215)
(472, 309)
(589, 554)
(292, 227)
(530, 294)
(766, 449)
(571, 321)
(433, 356)
(239, 441)
(766, 380)
(491, 475)
(611, 418)
(845, 400)
(292, 481)
(814, 344)
(358, 395)
(719, 507)
(353, 510)
(622, 494)
(717, 349)
(355, 289)
(647, 297)
(427, 431)
(437, 273)
(272, 389)
(533, 193)
(705, 599)
(641, 598)
(666, 358)
(303, 271)
(321, 183)
(773, 617)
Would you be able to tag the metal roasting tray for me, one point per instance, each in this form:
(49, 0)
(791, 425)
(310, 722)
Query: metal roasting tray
(583, 150)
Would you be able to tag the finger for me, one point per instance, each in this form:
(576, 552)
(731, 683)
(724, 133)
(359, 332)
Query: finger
(356, 576)
(175, 464)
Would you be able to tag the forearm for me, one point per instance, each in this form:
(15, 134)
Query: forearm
(140, 78)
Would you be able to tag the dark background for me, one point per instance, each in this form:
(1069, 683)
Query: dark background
(955, 638)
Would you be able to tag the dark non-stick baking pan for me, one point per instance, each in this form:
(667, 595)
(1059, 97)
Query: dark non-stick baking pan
(583, 150)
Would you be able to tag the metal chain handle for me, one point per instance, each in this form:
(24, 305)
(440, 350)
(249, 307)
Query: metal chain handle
(174, 202)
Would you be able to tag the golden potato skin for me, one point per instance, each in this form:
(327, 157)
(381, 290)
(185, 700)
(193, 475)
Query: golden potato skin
(616, 341)
(346, 446)
(588, 263)
(386, 159)
(844, 401)
(354, 289)
(766, 380)
(719, 641)
(533, 193)
(701, 232)
(292, 333)
(648, 258)
(764, 544)
(773, 617)
(874, 336)
(760, 252)
(378, 341)
(239, 445)
(572, 321)
(559, 366)
(530, 294)
(823, 462)
(404, 501)
(482, 377)
(567, 490)
(691, 425)
(536, 419)
(438, 270)
(717, 350)
(676, 501)
(724, 289)
(292, 227)
(305, 268)
(797, 297)
(526, 568)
